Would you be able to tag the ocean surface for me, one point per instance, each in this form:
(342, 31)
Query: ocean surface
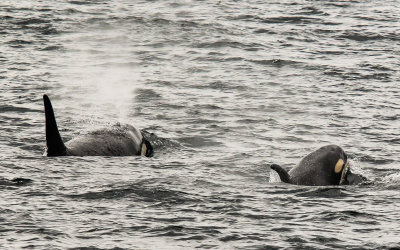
(223, 89)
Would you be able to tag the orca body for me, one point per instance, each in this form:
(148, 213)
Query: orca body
(326, 166)
(117, 140)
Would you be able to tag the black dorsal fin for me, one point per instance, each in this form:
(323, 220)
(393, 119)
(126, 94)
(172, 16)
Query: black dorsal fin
(283, 174)
(55, 145)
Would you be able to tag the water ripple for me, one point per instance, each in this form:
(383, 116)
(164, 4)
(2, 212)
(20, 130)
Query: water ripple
(222, 90)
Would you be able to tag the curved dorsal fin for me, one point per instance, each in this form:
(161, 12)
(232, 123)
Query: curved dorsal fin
(283, 174)
(55, 145)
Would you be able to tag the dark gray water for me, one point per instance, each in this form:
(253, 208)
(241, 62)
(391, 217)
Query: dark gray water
(226, 88)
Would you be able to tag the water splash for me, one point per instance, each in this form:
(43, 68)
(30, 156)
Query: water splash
(273, 177)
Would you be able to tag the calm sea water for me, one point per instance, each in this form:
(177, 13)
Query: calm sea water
(224, 88)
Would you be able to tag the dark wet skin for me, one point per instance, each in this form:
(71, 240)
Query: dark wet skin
(116, 140)
(323, 167)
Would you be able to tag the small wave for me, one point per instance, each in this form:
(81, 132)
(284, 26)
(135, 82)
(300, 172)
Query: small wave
(219, 44)
(229, 43)
(30, 21)
(47, 30)
(16, 182)
(51, 48)
(343, 215)
(69, 11)
(368, 36)
(375, 67)
(143, 95)
(198, 142)
(310, 10)
(299, 19)
(19, 42)
(276, 62)
(375, 160)
(265, 31)
(232, 237)
(8, 108)
(378, 18)
(214, 58)
(221, 85)
(245, 17)
(188, 24)
(186, 231)
(388, 117)
(151, 22)
(94, 248)
(290, 19)
(86, 2)
(157, 195)
(340, 5)
(325, 192)
(359, 76)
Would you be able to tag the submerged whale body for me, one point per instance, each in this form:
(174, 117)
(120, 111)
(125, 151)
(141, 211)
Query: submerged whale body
(117, 140)
(326, 166)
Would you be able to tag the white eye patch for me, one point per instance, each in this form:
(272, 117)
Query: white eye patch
(144, 149)
(339, 166)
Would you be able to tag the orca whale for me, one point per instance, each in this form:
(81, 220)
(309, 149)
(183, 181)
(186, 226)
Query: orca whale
(117, 140)
(326, 166)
